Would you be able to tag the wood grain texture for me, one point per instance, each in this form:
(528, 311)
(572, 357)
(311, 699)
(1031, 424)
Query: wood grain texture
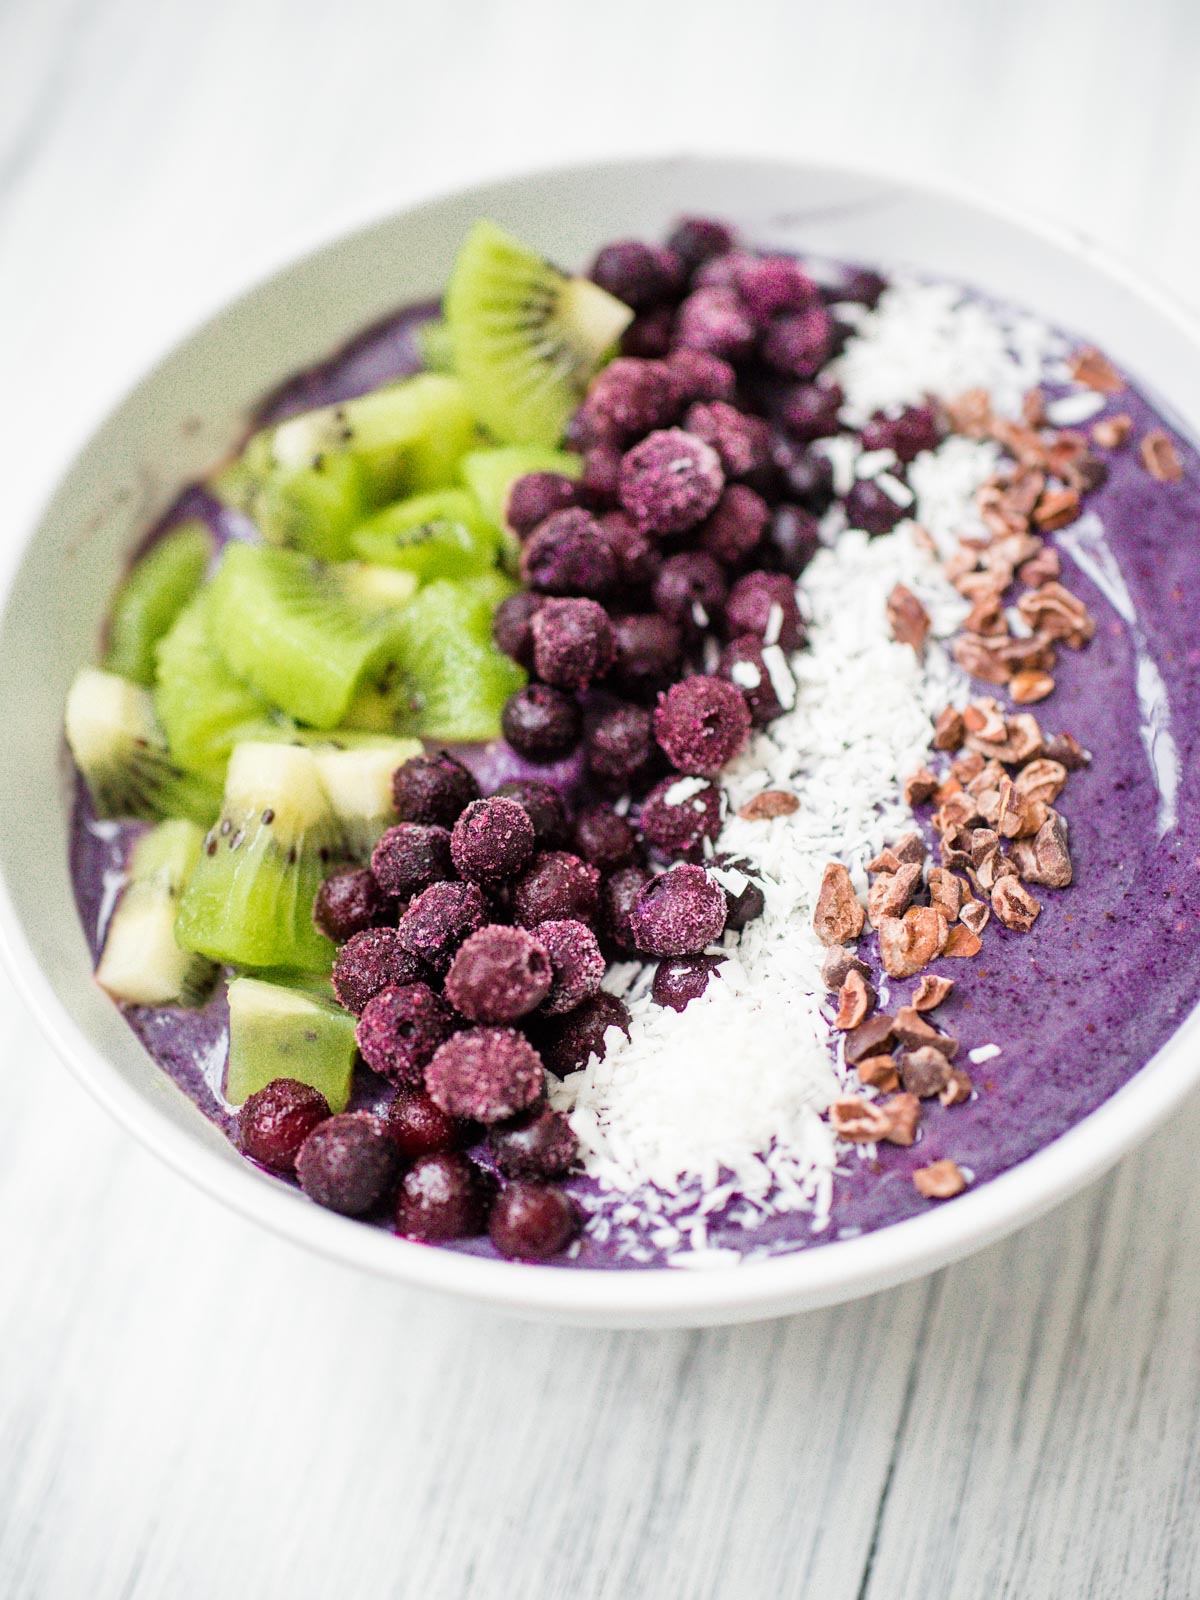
(190, 1408)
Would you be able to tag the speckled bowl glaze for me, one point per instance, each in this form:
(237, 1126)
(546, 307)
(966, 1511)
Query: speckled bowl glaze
(191, 409)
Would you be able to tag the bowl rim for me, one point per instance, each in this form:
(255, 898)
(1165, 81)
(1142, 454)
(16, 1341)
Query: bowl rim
(841, 1269)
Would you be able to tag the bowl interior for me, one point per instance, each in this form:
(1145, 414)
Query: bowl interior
(193, 408)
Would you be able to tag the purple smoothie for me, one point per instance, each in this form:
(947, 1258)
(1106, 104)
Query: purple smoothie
(1076, 1007)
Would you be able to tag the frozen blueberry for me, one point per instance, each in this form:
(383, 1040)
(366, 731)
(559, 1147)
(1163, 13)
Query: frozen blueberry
(539, 1144)
(696, 239)
(568, 554)
(810, 411)
(399, 1030)
(601, 474)
(871, 508)
(700, 376)
(808, 479)
(558, 885)
(648, 336)
(348, 1164)
(637, 555)
(745, 904)
(432, 789)
(914, 430)
(536, 496)
(532, 1221)
(572, 643)
(576, 961)
(701, 723)
(544, 807)
(856, 284)
(721, 272)
(419, 1128)
(629, 398)
(640, 274)
(492, 840)
(743, 664)
(680, 979)
(713, 319)
(679, 913)
(605, 839)
(443, 1195)
(411, 856)
(771, 284)
(568, 1042)
(485, 1074)
(618, 898)
(369, 962)
(649, 648)
(541, 723)
(671, 481)
(620, 745)
(679, 814)
(799, 343)
(274, 1123)
(348, 902)
(793, 539)
(733, 533)
(764, 604)
(742, 441)
(512, 627)
(690, 590)
(438, 921)
(499, 974)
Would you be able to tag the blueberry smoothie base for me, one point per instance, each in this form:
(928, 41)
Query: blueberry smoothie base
(1075, 1008)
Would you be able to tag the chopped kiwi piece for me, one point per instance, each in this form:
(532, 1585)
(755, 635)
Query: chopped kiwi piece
(250, 899)
(309, 505)
(459, 680)
(309, 481)
(154, 592)
(526, 339)
(204, 707)
(359, 785)
(374, 587)
(314, 507)
(492, 587)
(121, 750)
(279, 1032)
(316, 985)
(434, 346)
(438, 535)
(141, 963)
(490, 474)
(285, 625)
(384, 703)
(415, 431)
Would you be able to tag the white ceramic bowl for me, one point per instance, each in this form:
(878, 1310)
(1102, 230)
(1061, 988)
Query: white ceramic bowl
(192, 408)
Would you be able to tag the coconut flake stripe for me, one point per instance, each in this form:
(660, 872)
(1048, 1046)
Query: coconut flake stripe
(716, 1111)
(934, 339)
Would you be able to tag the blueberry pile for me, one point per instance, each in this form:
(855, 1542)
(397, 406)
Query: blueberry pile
(658, 612)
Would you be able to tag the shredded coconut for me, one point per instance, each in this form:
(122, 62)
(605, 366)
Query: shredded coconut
(713, 1116)
(933, 339)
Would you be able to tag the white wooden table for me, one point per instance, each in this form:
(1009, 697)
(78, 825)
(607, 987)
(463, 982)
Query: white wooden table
(191, 1409)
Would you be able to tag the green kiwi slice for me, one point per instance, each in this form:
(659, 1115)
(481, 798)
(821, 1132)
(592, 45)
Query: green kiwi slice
(280, 1031)
(153, 593)
(285, 625)
(142, 964)
(204, 707)
(526, 338)
(119, 747)
(249, 901)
